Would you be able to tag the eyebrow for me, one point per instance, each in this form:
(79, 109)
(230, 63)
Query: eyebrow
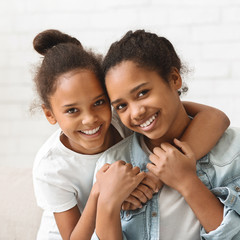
(131, 91)
(74, 104)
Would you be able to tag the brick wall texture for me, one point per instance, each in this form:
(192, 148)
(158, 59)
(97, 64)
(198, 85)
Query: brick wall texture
(205, 33)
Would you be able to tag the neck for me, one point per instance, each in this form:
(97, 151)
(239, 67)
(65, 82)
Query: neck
(114, 137)
(176, 130)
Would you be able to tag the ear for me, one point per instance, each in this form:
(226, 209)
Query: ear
(49, 115)
(175, 79)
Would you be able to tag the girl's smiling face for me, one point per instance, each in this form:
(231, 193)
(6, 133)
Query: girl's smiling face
(145, 102)
(82, 110)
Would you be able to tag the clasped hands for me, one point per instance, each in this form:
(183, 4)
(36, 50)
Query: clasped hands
(130, 188)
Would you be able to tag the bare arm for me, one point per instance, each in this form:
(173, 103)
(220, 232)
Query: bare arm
(115, 185)
(72, 225)
(205, 129)
(108, 214)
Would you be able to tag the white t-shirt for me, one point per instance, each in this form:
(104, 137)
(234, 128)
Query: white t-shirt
(177, 220)
(63, 178)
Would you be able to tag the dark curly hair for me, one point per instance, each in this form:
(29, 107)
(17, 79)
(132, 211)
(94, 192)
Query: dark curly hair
(62, 53)
(147, 50)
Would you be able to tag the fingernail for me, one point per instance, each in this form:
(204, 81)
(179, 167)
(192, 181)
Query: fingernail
(156, 190)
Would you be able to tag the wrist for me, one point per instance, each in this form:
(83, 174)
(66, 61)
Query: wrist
(110, 205)
(95, 191)
(188, 186)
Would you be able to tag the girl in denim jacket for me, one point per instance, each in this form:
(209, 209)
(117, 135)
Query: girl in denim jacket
(198, 200)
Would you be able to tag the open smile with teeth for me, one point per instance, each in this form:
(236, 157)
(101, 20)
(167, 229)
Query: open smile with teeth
(91, 132)
(149, 121)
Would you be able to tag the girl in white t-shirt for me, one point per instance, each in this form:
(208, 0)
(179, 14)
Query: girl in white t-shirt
(69, 84)
(69, 87)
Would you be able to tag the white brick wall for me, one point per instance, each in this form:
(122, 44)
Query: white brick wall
(206, 34)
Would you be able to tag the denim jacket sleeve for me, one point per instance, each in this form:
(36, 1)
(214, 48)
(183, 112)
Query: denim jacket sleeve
(223, 174)
(230, 226)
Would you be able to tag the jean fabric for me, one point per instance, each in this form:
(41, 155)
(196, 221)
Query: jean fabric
(219, 170)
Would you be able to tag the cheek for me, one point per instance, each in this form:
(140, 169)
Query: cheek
(66, 126)
(106, 114)
(124, 117)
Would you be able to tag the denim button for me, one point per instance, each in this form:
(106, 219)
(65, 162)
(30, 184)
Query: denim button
(154, 214)
(237, 188)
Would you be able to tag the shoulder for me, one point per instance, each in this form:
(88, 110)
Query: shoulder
(120, 151)
(231, 135)
(49, 144)
(222, 164)
(227, 148)
(54, 161)
(47, 156)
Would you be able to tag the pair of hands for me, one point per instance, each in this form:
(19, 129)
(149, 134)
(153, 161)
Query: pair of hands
(129, 188)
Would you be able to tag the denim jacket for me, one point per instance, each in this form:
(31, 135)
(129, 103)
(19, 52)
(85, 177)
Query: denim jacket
(219, 170)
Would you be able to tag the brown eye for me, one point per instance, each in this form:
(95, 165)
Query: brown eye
(142, 93)
(120, 106)
(99, 102)
(72, 110)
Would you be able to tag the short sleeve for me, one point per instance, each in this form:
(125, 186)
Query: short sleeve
(52, 197)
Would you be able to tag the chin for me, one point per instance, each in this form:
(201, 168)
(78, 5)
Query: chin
(94, 147)
(154, 136)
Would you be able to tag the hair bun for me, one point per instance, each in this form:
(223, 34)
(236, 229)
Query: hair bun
(50, 38)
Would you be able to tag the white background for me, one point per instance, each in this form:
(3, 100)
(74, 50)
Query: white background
(205, 33)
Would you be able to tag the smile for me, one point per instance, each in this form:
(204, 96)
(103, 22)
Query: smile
(92, 131)
(149, 121)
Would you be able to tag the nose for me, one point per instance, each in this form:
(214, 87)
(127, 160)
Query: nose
(137, 111)
(89, 118)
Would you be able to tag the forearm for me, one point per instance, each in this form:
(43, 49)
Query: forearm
(86, 224)
(116, 182)
(207, 208)
(205, 129)
(108, 223)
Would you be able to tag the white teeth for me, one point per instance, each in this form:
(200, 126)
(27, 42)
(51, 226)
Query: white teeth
(149, 121)
(91, 132)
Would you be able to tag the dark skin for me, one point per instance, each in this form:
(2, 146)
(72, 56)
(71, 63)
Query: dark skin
(144, 96)
(150, 184)
(73, 225)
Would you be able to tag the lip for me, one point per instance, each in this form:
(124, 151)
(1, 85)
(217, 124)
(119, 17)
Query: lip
(152, 120)
(96, 134)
